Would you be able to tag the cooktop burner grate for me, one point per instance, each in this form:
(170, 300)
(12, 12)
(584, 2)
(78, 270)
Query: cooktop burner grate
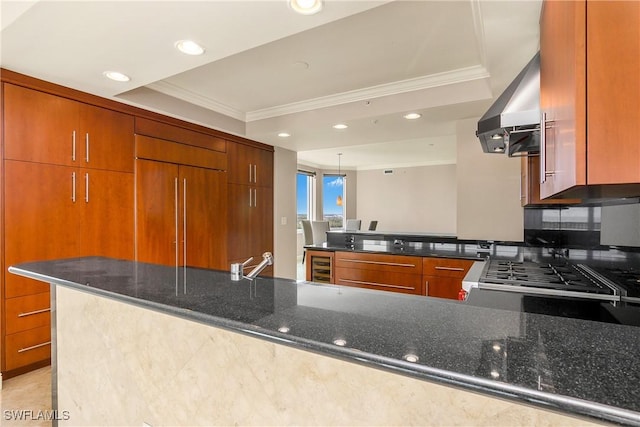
(562, 277)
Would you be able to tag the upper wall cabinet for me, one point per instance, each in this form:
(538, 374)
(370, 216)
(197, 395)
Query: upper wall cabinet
(250, 166)
(590, 98)
(44, 128)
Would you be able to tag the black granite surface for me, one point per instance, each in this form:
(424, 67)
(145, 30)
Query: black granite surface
(586, 368)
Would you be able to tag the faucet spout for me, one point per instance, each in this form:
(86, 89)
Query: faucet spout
(267, 259)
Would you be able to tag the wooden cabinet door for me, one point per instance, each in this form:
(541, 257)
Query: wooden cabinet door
(240, 211)
(108, 226)
(40, 127)
(250, 221)
(105, 139)
(530, 185)
(203, 217)
(613, 92)
(262, 220)
(442, 287)
(263, 169)
(240, 161)
(563, 95)
(157, 209)
(42, 221)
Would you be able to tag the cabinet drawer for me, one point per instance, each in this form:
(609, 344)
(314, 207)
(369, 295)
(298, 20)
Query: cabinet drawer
(380, 280)
(25, 348)
(28, 312)
(379, 262)
(446, 267)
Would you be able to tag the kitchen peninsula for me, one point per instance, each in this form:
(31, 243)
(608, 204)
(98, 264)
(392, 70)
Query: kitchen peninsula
(210, 350)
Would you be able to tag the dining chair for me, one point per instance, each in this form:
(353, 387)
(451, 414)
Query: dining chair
(307, 233)
(353, 225)
(320, 229)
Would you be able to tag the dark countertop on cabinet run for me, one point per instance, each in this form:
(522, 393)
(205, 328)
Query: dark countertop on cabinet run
(577, 366)
(426, 249)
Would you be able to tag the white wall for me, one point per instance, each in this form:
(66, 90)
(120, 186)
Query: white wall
(417, 199)
(488, 190)
(284, 207)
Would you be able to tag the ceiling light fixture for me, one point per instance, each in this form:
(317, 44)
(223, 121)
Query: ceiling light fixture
(340, 126)
(117, 76)
(340, 342)
(189, 47)
(412, 116)
(306, 7)
(411, 358)
(284, 135)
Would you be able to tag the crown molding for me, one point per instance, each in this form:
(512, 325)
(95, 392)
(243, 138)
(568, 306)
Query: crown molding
(478, 27)
(460, 75)
(194, 98)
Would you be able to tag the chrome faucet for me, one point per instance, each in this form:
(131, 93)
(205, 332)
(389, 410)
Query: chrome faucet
(237, 269)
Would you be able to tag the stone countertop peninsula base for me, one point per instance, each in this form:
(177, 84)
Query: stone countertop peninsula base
(118, 364)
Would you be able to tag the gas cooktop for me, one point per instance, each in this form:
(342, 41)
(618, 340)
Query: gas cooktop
(562, 279)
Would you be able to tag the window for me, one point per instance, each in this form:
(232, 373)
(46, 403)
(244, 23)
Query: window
(333, 200)
(304, 196)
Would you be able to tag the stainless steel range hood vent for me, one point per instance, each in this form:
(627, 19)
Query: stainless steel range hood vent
(512, 123)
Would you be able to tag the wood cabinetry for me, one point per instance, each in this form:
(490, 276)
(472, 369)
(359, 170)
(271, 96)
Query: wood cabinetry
(442, 277)
(180, 209)
(590, 98)
(320, 266)
(250, 165)
(530, 185)
(44, 128)
(395, 273)
(250, 204)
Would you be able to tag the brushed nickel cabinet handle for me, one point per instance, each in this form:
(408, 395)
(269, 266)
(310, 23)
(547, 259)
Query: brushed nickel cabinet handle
(86, 188)
(250, 198)
(184, 231)
(449, 268)
(86, 143)
(73, 187)
(250, 177)
(255, 174)
(33, 347)
(382, 285)
(393, 264)
(31, 313)
(426, 287)
(255, 198)
(73, 146)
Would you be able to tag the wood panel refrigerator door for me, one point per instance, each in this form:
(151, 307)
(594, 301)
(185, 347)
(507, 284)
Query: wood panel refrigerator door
(203, 219)
(108, 228)
(40, 127)
(42, 220)
(105, 139)
(563, 96)
(157, 207)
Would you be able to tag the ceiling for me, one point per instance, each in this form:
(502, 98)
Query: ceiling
(268, 70)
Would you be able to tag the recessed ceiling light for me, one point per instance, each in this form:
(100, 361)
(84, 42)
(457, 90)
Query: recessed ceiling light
(340, 126)
(412, 116)
(283, 329)
(284, 135)
(306, 7)
(117, 76)
(189, 47)
(340, 342)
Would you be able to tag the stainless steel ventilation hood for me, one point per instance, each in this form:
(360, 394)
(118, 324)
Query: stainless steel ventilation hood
(512, 123)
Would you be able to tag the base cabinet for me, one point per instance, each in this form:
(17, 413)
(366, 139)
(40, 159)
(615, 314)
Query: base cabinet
(442, 277)
(395, 273)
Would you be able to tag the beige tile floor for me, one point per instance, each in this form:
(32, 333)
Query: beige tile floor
(26, 396)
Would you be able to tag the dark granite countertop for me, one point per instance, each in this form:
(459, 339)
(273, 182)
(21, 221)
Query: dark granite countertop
(583, 367)
(457, 250)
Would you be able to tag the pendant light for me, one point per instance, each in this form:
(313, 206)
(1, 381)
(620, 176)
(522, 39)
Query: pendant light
(339, 199)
